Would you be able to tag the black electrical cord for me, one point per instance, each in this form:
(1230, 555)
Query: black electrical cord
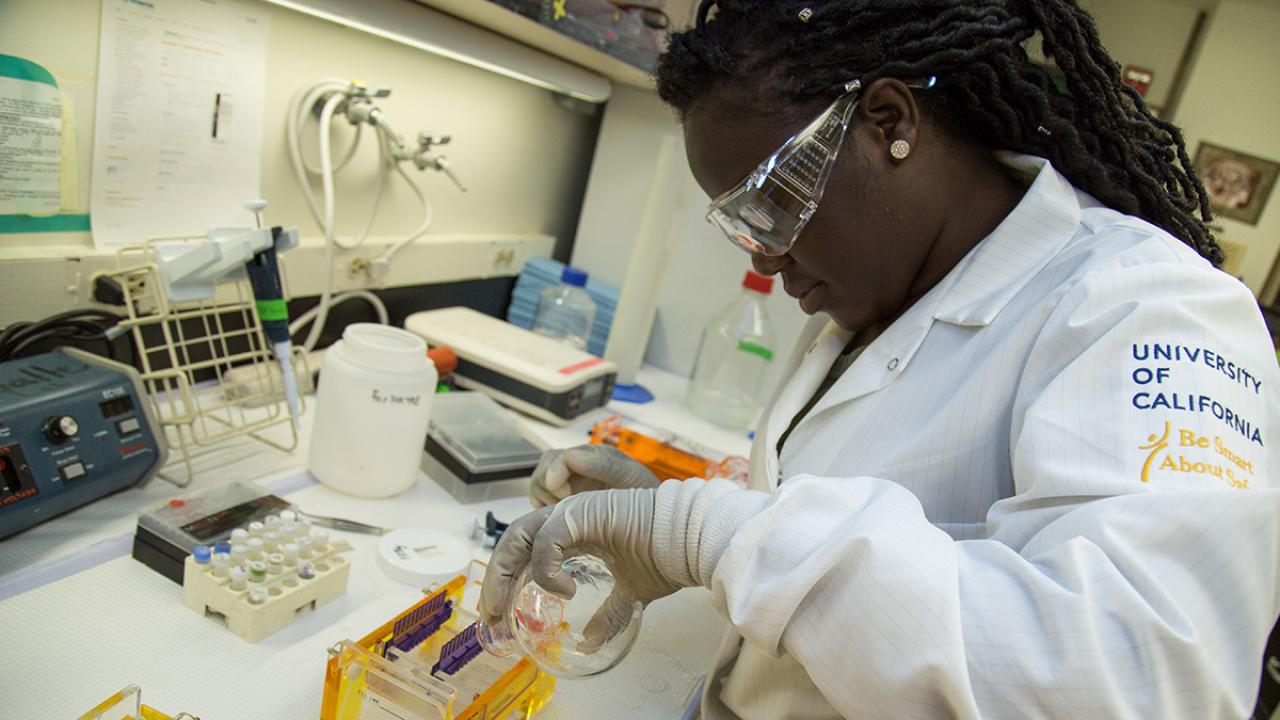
(66, 328)
(70, 333)
(23, 327)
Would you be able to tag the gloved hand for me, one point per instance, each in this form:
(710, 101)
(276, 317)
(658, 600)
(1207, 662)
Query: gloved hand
(614, 524)
(561, 473)
(656, 540)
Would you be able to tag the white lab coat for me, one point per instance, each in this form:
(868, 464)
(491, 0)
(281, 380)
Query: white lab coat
(1045, 491)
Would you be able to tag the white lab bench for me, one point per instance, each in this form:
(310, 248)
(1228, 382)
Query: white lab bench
(80, 618)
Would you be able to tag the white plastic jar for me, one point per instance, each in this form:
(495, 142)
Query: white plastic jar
(372, 410)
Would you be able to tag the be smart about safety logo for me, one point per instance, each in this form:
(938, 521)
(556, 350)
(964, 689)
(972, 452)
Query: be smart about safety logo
(1197, 434)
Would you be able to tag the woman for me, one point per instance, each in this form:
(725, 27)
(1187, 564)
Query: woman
(1021, 464)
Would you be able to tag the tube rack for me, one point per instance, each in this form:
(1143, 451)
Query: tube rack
(284, 595)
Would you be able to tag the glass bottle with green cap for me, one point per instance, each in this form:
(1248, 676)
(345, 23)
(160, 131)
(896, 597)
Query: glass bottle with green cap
(737, 347)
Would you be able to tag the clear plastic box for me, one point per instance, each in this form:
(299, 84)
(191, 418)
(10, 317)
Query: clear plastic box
(168, 532)
(476, 450)
(127, 705)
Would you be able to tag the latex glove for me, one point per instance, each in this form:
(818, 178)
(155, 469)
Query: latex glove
(613, 524)
(561, 473)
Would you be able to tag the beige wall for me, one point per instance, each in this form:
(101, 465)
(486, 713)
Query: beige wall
(523, 154)
(1233, 100)
(1146, 33)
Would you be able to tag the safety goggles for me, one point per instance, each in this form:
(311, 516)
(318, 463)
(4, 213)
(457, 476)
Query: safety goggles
(767, 211)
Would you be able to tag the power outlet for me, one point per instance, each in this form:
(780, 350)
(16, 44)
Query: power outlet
(42, 281)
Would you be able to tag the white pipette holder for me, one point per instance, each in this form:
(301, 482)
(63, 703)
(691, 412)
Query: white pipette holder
(192, 271)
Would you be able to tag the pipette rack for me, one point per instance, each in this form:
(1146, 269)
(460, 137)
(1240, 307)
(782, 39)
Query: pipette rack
(392, 668)
(186, 350)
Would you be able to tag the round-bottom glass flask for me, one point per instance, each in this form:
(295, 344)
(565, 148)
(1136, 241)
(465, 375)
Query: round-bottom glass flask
(575, 638)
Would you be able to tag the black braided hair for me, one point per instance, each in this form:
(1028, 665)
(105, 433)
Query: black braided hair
(1097, 132)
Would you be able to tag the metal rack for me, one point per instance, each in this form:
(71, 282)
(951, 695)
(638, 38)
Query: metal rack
(214, 383)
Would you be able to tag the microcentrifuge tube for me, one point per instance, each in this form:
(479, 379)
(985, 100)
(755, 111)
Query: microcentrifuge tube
(275, 563)
(320, 540)
(288, 530)
(238, 577)
(239, 553)
(257, 571)
(288, 516)
(272, 522)
(271, 541)
(290, 552)
(256, 529)
(257, 595)
(202, 554)
(304, 547)
(255, 548)
(239, 536)
(306, 570)
(221, 561)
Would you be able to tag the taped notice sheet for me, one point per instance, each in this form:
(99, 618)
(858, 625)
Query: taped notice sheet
(178, 131)
(30, 138)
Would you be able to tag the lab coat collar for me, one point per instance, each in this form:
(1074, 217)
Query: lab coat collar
(1037, 229)
(879, 364)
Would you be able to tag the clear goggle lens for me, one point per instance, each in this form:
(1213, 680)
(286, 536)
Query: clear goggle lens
(765, 214)
(764, 220)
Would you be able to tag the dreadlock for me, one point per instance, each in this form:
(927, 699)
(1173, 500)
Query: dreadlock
(1097, 132)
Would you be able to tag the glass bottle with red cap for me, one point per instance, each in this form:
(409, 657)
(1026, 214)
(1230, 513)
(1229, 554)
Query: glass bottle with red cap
(737, 347)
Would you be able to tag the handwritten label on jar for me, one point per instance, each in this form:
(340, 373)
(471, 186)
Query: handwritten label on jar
(389, 399)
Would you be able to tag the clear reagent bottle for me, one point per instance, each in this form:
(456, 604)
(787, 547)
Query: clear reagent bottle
(735, 353)
(566, 311)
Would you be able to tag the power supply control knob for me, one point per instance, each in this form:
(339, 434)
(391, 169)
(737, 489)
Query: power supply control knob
(61, 428)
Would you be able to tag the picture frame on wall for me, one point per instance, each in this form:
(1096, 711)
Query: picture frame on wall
(1239, 184)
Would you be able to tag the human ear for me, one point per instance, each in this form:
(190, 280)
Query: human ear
(889, 111)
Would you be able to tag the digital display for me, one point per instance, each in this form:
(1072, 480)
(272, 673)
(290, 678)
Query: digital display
(592, 391)
(118, 406)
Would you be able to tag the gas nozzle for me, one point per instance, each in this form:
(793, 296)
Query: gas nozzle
(443, 166)
(423, 158)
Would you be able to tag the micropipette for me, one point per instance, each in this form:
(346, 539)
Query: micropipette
(264, 276)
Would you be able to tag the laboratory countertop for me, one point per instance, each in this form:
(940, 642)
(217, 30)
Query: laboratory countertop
(81, 619)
